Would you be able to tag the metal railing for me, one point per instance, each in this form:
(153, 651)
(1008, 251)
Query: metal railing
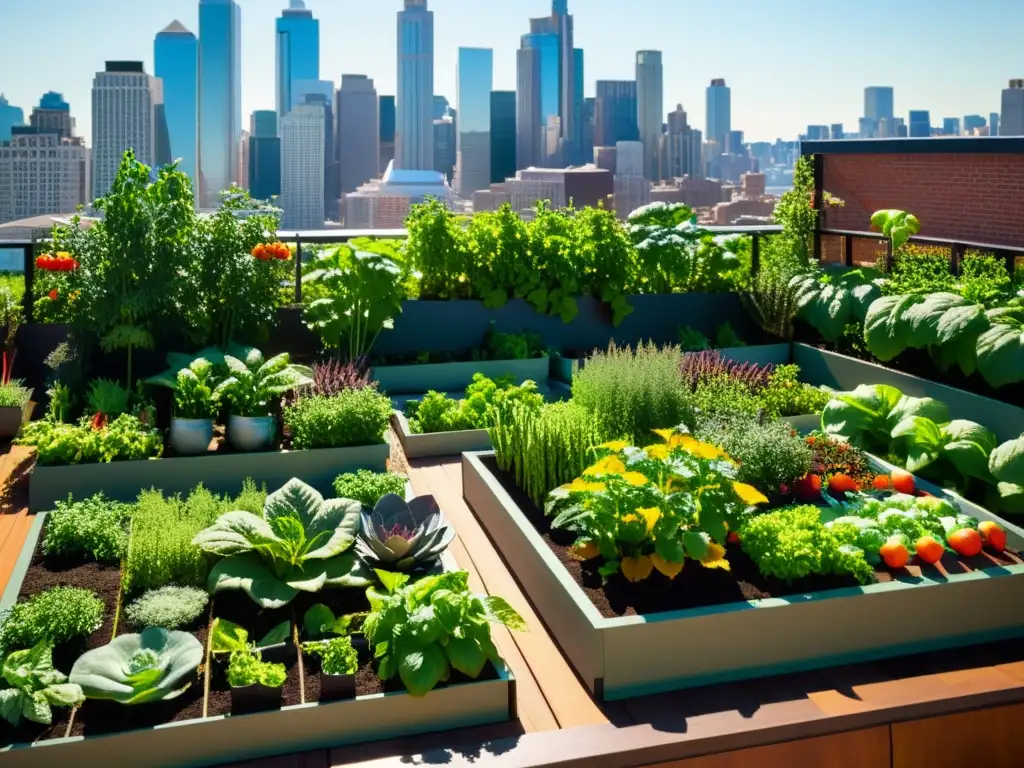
(957, 248)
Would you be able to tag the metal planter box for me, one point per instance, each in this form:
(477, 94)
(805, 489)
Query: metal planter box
(455, 377)
(636, 655)
(232, 738)
(844, 373)
(438, 443)
(219, 473)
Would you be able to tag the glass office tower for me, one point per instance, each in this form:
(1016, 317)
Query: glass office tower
(220, 97)
(298, 53)
(473, 83)
(176, 62)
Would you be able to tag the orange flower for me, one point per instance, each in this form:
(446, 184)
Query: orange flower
(52, 294)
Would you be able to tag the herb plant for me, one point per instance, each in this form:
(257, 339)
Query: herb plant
(156, 665)
(11, 317)
(125, 438)
(14, 394)
(352, 417)
(247, 668)
(33, 685)
(319, 622)
(337, 656)
(769, 453)
(107, 397)
(437, 247)
(368, 487)
(57, 615)
(94, 528)
(485, 397)
(422, 630)
(228, 637)
(331, 377)
(301, 542)
(167, 607)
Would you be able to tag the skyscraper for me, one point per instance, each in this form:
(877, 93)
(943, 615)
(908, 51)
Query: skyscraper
(1011, 121)
(578, 150)
(570, 95)
(264, 155)
(473, 83)
(321, 93)
(387, 132)
(650, 108)
(683, 147)
(878, 102)
(971, 122)
(302, 167)
(414, 134)
(53, 115)
(10, 116)
(719, 114)
(503, 135)
(124, 116)
(444, 146)
(298, 52)
(440, 107)
(528, 106)
(951, 126)
(176, 63)
(538, 82)
(615, 113)
(993, 124)
(920, 123)
(357, 133)
(587, 148)
(42, 172)
(220, 97)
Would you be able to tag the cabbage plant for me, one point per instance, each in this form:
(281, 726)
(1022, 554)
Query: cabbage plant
(136, 669)
(302, 543)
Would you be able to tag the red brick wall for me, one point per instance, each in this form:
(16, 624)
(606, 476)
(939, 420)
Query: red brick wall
(959, 196)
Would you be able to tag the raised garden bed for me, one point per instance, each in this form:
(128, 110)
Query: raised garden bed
(198, 728)
(421, 446)
(220, 472)
(841, 372)
(713, 626)
(453, 377)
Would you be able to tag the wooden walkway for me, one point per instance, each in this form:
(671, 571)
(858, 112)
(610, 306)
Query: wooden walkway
(958, 709)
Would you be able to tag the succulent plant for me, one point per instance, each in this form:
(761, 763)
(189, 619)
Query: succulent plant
(403, 536)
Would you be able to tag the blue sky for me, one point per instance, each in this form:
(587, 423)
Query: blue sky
(789, 62)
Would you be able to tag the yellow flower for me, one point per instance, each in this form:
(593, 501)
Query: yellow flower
(664, 434)
(636, 568)
(635, 478)
(697, 448)
(665, 567)
(651, 516)
(609, 465)
(579, 485)
(615, 445)
(586, 551)
(749, 494)
(659, 452)
(715, 557)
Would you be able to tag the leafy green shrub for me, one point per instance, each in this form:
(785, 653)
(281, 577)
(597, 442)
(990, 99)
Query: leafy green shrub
(337, 656)
(498, 345)
(125, 438)
(57, 615)
(633, 393)
(367, 487)
(167, 607)
(726, 337)
(544, 449)
(918, 269)
(94, 528)
(769, 453)
(484, 398)
(692, 340)
(194, 391)
(161, 551)
(354, 417)
(438, 248)
(792, 543)
(786, 395)
(248, 668)
(254, 385)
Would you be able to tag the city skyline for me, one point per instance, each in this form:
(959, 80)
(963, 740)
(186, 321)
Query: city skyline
(775, 94)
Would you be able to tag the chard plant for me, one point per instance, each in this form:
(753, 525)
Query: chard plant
(254, 386)
(194, 392)
(422, 630)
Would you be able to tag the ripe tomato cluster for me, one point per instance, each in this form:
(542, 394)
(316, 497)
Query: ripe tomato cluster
(60, 262)
(267, 251)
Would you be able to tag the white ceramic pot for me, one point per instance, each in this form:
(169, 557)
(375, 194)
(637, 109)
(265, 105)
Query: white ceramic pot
(191, 436)
(251, 433)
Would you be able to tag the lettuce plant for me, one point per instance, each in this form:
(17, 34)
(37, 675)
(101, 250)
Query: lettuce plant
(34, 686)
(867, 416)
(423, 630)
(254, 384)
(300, 544)
(136, 669)
(337, 656)
(247, 668)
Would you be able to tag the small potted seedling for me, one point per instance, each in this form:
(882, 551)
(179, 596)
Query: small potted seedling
(320, 623)
(255, 684)
(338, 664)
(195, 408)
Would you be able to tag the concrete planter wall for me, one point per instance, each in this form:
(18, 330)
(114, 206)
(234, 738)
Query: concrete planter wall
(845, 373)
(804, 424)
(438, 443)
(636, 655)
(232, 738)
(220, 473)
(454, 377)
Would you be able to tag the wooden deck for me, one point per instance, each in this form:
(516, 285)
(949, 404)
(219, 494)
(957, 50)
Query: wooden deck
(957, 709)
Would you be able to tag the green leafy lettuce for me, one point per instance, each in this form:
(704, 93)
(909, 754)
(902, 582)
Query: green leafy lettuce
(34, 686)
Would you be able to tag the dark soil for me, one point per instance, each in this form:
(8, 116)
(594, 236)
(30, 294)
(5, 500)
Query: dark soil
(696, 586)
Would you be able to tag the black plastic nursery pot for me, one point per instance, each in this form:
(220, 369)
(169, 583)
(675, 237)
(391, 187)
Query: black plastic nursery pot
(247, 699)
(337, 687)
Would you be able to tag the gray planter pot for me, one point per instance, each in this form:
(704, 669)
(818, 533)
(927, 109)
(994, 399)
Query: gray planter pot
(251, 433)
(13, 418)
(455, 377)
(191, 436)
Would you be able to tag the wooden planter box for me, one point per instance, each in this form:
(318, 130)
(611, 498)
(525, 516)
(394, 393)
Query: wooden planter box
(844, 373)
(219, 473)
(636, 655)
(455, 377)
(231, 738)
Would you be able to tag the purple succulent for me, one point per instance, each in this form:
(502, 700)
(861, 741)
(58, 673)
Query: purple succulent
(400, 535)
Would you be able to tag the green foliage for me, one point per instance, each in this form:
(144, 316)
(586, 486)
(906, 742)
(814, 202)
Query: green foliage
(792, 252)
(254, 386)
(194, 391)
(33, 685)
(359, 294)
(610, 259)
(772, 302)
(56, 616)
(726, 337)
(167, 607)
(792, 543)
(437, 412)
(125, 438)
(14, 395)
(367, 487)
(898, 226)
(351, 417)
(1006, 464)
(632, 392)
(769, 453)
(228, 637)
(437, 247)
(831, 299)
(423, 630)
(692, 340)
(161, 551)
(337, 656)
(544, 449)
(556, 260)
(510, 346)
(919, 269)
(107, 397)
(319, 622)
(156, 665)
(300, 543)
(500, 266)
(94, 528)
(248, 668)
(786, 395)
